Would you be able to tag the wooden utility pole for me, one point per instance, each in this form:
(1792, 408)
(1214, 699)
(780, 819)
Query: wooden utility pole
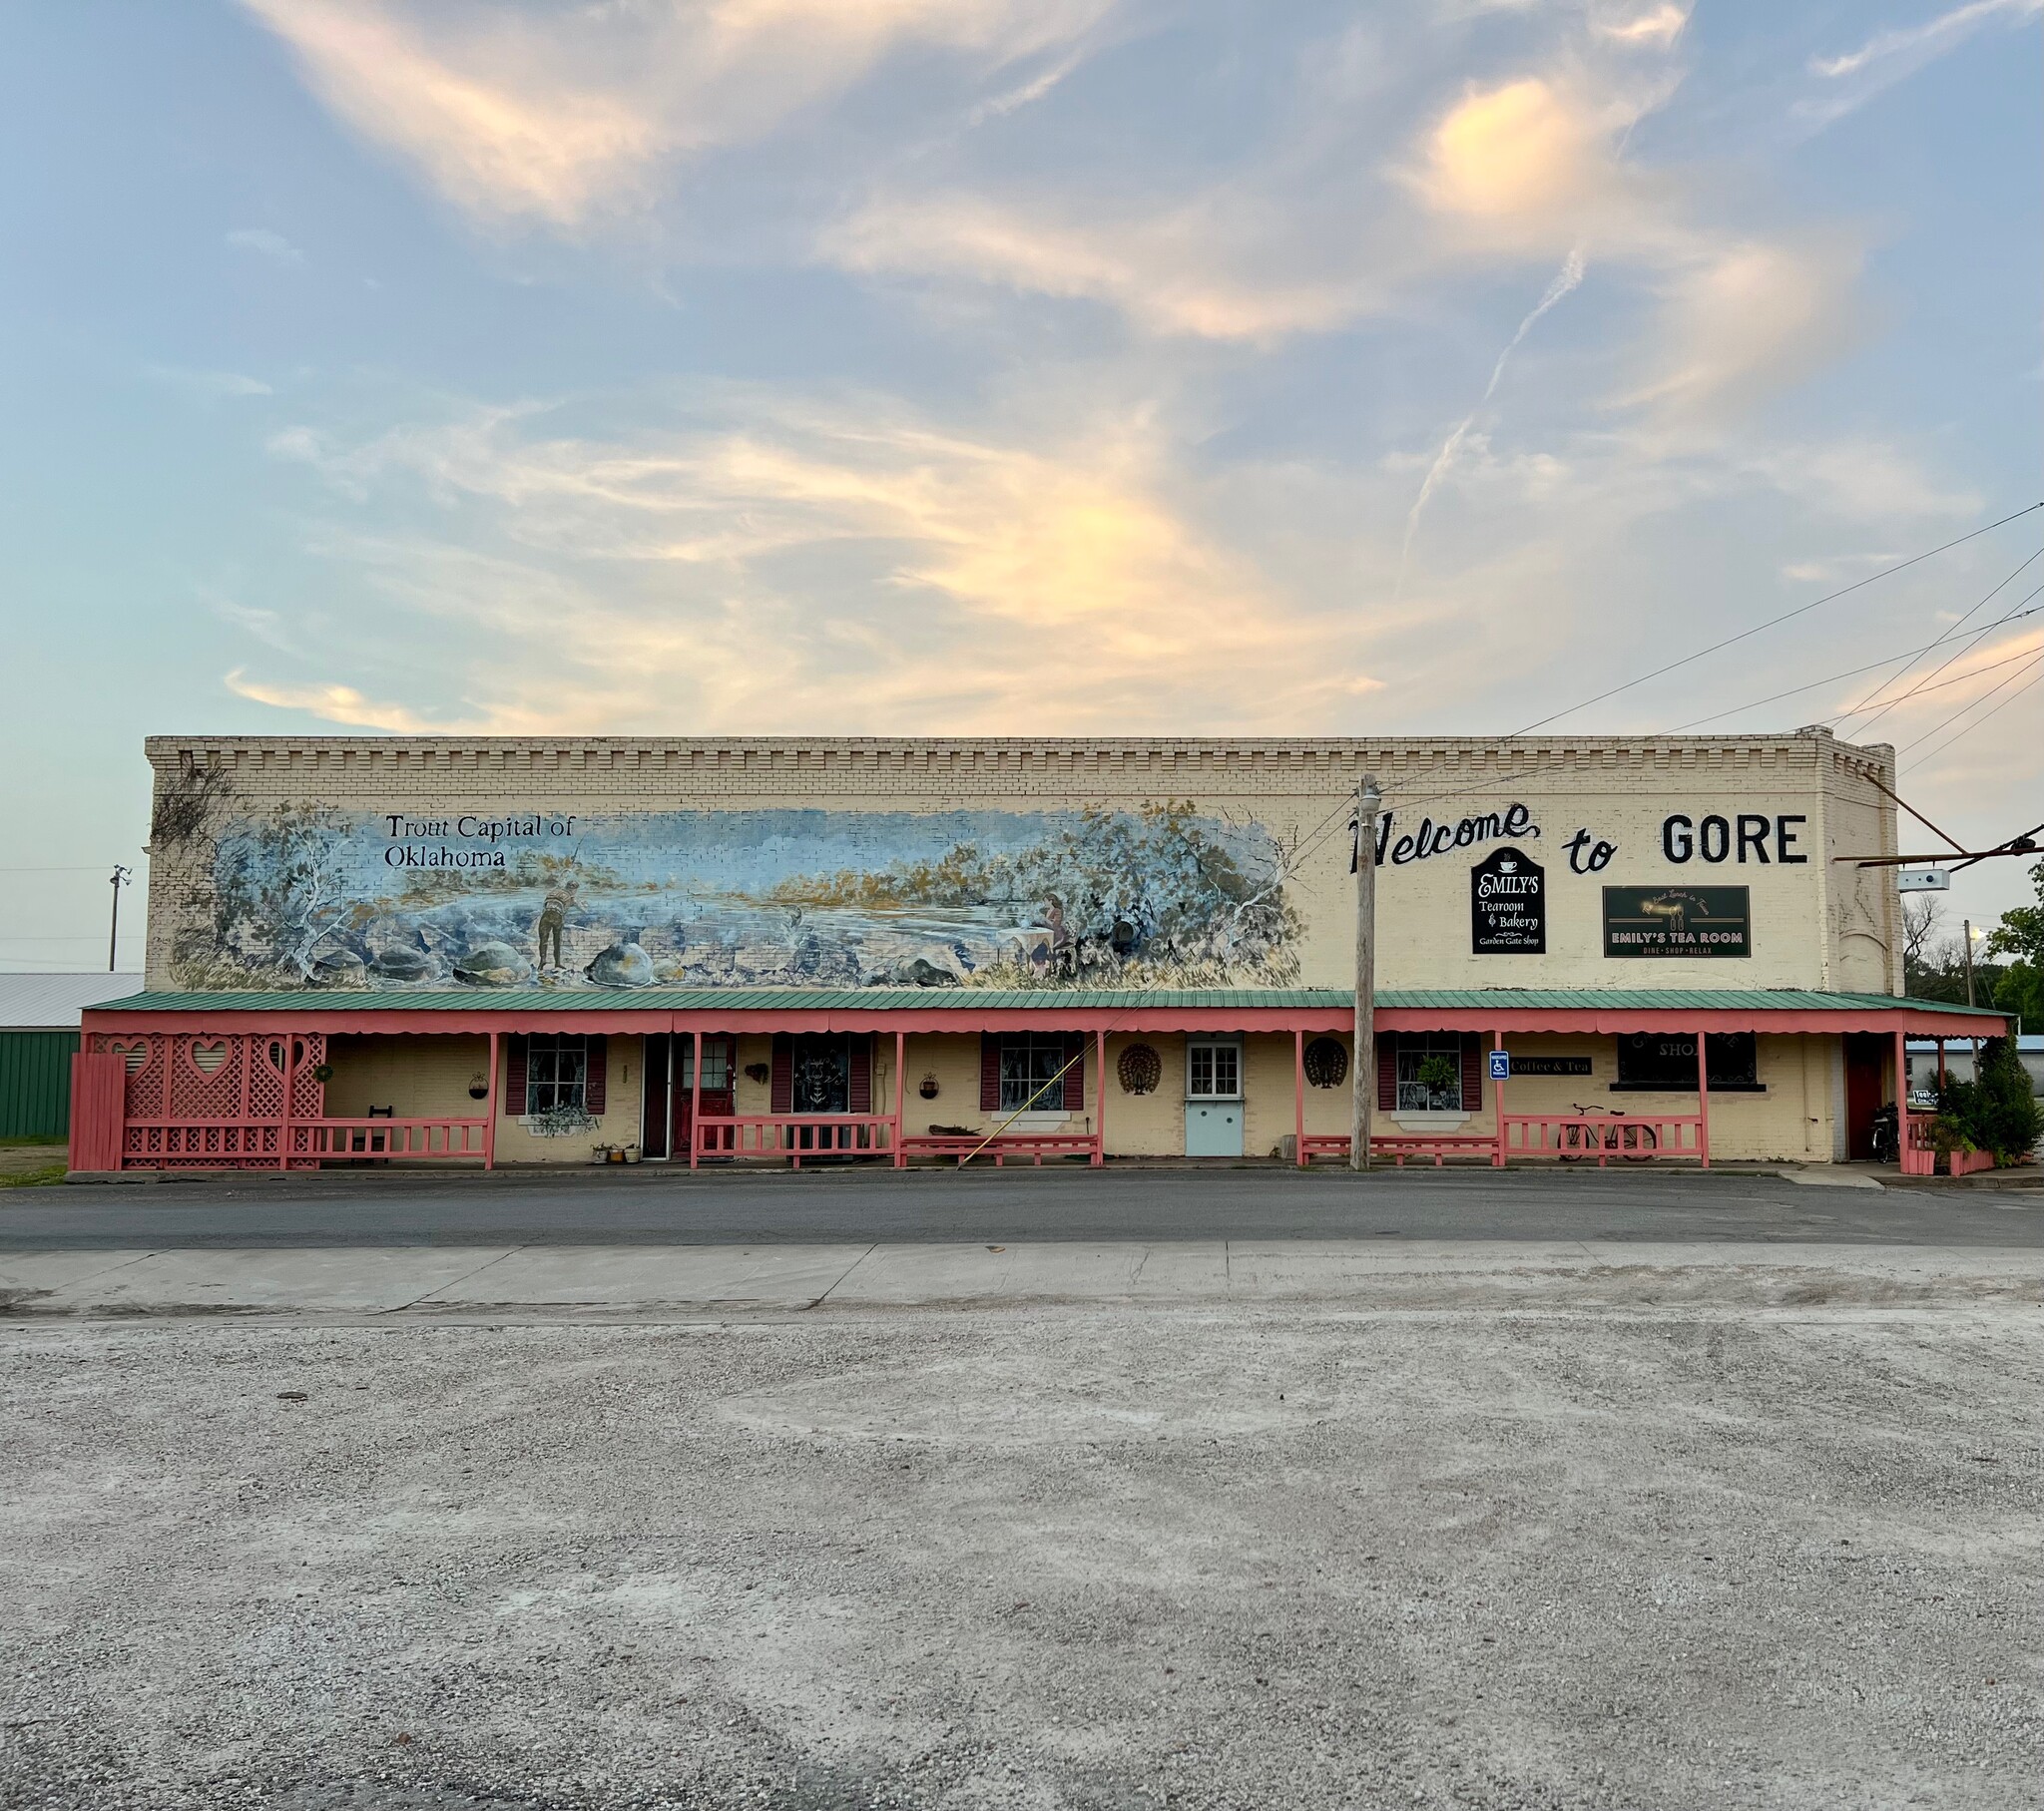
(1968, 923)
(119, 879)
(1364, 1067)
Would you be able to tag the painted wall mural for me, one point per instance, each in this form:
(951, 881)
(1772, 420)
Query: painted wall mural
(312, 896)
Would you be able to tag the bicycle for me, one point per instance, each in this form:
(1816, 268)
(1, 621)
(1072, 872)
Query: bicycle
(1635, 1144)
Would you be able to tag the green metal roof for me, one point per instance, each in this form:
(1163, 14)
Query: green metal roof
(988, 999)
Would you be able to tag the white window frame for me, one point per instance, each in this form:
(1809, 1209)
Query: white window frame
(556, 1071)
(1413, 1048)
(1193, 1046)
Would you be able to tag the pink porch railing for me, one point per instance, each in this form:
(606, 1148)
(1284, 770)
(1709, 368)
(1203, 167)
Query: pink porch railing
(1398, 1146)
(411, 1140)
(234, 1144)
(1919, 1143)
(1580, 1137)
(795, 1137)
(1023, 1146)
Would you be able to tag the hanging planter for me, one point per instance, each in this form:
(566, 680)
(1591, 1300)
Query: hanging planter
(929, 1090)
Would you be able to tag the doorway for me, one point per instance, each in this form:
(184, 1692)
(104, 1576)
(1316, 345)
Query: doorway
(1214, 1098)
(664, 1125)
(1868, 1055)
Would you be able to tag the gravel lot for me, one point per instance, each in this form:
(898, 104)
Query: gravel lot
(1696, 1555)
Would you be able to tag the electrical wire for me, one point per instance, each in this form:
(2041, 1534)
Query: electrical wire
(1745, 635)
(1818, 685)
(2036, 660)
(1344, 810)
(2008, 616)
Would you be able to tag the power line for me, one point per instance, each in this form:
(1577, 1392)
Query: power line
(1772, 622)
(2036, 660)
(1321, 831)
(1854, 671)
(2007, 616)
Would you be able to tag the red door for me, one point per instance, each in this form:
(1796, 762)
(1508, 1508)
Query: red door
(719, 1099)
(1867, 1060)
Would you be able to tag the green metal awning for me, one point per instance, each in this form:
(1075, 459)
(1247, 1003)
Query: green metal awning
(1048, 1000)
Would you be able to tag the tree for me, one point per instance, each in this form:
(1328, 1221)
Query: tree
(1999, 1112)
(1923, 914)
(2020, 987)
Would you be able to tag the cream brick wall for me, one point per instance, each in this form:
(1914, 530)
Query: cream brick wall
(1817, 923)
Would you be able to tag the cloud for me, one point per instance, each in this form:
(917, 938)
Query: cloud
(1658, 28)
(1172, 271)
(342, 704)
(264, 243)
(1746, 321)
(1857, 76)
(1513, 152)
(778, 562)
(566, 117)
(208, 385)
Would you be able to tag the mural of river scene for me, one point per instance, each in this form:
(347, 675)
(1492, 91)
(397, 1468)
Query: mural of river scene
(314, 897)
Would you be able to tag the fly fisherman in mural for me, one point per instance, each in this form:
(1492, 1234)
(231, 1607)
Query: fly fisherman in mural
(553, 917)
(1064, 952)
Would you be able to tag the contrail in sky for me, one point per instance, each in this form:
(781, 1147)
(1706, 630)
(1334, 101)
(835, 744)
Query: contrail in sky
(1565, 280)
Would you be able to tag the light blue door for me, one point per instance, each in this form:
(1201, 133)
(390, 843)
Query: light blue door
(1213, 1100)
(1212, 1129)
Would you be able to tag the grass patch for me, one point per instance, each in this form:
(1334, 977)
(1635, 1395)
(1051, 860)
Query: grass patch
(40, 1177)
(30, 1143)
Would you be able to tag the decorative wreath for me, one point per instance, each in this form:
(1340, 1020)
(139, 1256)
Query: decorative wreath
(1326, 1062)
(1138, 1069)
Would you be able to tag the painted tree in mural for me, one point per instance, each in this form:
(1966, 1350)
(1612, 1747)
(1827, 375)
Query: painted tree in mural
(280, 890)
(1158, 894)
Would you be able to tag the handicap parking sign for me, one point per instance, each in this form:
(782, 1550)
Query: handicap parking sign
(1500, 1066)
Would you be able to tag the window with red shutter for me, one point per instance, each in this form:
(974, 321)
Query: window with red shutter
(1472, 1073)
(514, 1079)
(859, 1092)
(989, 1072)
(595, 1074)
(782, 1099)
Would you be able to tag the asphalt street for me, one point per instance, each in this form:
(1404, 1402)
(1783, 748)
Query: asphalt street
(944, 1207)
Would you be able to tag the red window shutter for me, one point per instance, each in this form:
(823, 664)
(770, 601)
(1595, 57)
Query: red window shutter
(1472, 1073)
(594, 1073)
(1074, 1077)
(858, 1093)
(1387, 1072)
(783, 1073)
(989, 1072)
(514, 1078)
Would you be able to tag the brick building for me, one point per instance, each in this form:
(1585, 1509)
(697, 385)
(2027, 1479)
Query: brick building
(512, 951)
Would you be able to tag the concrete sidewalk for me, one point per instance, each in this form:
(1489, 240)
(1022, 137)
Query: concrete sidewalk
(421, 1281)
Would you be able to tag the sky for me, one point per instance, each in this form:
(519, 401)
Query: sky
(1011, 366)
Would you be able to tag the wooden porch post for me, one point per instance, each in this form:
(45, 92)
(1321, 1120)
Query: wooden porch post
(490, 1108)
(900, 1072)
(1902, 1104)
(1497, 1102)
(1100, 1136)
(251, 1049)
(1298, 1098)
(695, 1095)
(1704, 1097)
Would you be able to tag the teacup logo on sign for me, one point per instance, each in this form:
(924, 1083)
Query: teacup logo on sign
(1432, 839)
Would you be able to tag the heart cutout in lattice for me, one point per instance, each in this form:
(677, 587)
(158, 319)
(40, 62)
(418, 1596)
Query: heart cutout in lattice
(210, 1058)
